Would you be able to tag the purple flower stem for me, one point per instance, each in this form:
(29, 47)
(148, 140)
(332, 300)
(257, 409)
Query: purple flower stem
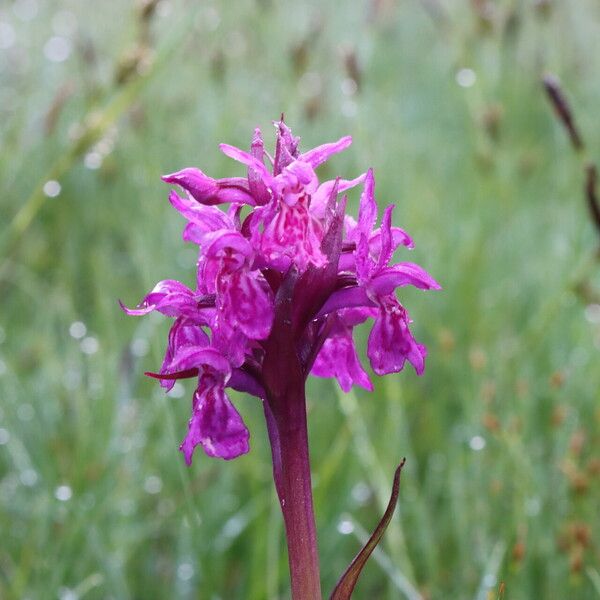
(288, 434)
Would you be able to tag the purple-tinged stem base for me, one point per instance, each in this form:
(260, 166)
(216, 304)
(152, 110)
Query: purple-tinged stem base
(288, 434)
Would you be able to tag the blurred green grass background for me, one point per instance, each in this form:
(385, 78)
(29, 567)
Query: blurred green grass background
(444, 100)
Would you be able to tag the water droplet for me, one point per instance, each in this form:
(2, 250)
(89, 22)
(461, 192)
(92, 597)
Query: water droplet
(4, 436)
(93, 160)
(185, 571)
(63, 493)
(52, 188)
(153, 484)
(361, 493)
(466, 78)
(345, 527)
(7, 36)
(28, 477)
(489, 580)
(477, 443)
(77, 329)
(89, 345)
(57, 49)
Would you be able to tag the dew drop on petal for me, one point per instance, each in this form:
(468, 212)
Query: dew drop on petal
(77, 329)
(52, 188)
(63, 493)
(466, 78)
(477, 443)
(57, 49)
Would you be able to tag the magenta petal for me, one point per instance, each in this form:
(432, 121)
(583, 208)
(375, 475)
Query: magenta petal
(346, 298)
(338, 358)
(320, 154)
(248, 160)
(245, 302)
(401, 274)
(184, 336)
(169, 297)
(391, 343)
(194, 181)
(319, 200)
(258, 189)
(206, 218)
(215, 424)
(367, 212)
(209, 191)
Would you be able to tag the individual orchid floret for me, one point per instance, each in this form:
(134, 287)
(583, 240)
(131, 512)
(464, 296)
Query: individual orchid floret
(215, 424)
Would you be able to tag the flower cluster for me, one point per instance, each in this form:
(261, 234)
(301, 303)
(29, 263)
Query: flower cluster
(283, 266)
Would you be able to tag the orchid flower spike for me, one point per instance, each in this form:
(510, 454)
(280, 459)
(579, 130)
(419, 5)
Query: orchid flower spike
(296, 268)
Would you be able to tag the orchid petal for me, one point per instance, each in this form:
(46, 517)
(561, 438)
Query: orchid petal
(215, 424)
(168, 297)
(321, 153)
(391, 343)
(209, 191)
(248, 160)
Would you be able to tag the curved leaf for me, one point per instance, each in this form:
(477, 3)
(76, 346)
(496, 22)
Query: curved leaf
(345, 586)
